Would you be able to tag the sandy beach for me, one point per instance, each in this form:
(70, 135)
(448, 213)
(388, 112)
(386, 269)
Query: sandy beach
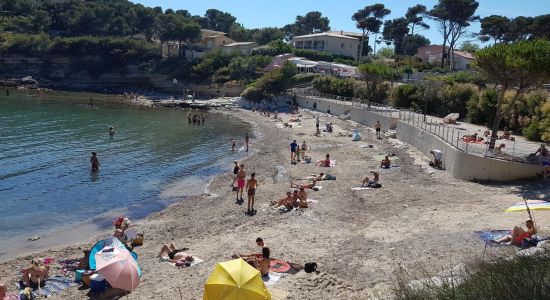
(359, 239)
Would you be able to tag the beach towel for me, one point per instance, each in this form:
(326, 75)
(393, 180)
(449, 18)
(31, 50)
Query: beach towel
(312, 201)
(54, 284)
(195, 261)
(360, 188)
(272, 278)
(69, 264)
(488, 235)
(280, 266)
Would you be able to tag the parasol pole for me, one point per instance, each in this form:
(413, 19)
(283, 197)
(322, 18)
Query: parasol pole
(528, 210)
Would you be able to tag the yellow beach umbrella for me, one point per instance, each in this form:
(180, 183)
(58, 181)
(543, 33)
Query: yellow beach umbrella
(235, 280)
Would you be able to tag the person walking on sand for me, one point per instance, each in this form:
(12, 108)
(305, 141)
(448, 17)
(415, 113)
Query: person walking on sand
(317, 122)
(293, 150)
(246, 140)
(378, 127)
(95, 162)
(304, 149)
(241, 175)
(251, 186)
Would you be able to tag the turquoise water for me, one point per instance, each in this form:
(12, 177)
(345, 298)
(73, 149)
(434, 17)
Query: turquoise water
(154, 159)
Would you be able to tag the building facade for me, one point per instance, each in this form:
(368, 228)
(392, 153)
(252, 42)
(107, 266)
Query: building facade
(334, 42)
(433, 54)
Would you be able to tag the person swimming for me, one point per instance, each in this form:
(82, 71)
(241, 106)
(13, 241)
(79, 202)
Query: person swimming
(111, 131)
(95, 162)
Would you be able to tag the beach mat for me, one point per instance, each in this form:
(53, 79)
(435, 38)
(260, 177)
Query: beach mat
(272, 278)
(488, 235)
(361, 188)
(55, 284)
(195, 261)
(278, 266)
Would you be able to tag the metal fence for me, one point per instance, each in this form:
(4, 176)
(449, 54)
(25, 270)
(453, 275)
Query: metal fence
(519, 151)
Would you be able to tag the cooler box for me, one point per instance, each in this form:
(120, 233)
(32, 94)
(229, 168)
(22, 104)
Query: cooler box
(98, 284)
(78, 275)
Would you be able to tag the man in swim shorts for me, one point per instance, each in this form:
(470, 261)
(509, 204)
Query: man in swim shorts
(241, 175)
(378, 129)
(293, 149)
(251, 186)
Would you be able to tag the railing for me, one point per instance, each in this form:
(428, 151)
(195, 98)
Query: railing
(519, 151)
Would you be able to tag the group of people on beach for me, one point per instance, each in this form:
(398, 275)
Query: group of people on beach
(196, 119)
(242, 184)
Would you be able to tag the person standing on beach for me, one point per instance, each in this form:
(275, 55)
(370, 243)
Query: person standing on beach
(378, 129)
(317, 122)
(241, 175)
(251, 185)
(95, 162)
(236, 169)
(246, 140)
(293, 149)
(304, 149)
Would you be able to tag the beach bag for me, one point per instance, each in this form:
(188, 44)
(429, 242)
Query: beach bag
(307, 159)
(375, 185)
(310, 267)
(330, 177)
(528, 243)
(293, 162)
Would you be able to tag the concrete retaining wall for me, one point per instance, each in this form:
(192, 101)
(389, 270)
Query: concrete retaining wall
(460, 164)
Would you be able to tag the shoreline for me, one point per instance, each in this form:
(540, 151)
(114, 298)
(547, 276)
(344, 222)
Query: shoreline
(358, 239)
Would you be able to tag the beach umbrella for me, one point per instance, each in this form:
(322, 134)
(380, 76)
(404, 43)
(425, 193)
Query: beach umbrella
(111, 241)
(235, 280)
(118, 267)
(529, 205)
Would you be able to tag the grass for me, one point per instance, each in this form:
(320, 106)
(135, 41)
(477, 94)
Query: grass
(523, 277)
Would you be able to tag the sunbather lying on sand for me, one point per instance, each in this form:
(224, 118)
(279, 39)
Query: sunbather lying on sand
(316, 177)
(175, 255)
(518, 234)
(307, 186)
(287, 202)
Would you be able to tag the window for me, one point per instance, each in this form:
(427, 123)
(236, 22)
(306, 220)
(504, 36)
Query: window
(300, 44)
(307, 45)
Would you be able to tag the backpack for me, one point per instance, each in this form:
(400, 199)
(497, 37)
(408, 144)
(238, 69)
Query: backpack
(310, 267)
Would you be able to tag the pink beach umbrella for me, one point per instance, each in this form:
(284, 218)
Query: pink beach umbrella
(118, 267)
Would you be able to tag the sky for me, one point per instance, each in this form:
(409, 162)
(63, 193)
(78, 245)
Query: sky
(269, 13)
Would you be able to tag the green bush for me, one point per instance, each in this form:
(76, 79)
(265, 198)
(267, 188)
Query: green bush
(482, 110)
(404, 95)
(271, 84)
(466, 77)
(523, 277)
(334, 86)
(455, 99)
(533, 131)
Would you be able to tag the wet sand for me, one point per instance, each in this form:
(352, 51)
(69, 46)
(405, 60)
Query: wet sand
(358, 238)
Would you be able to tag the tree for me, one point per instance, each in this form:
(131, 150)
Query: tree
(386, 52)
(540, 27)
(265, 35)
(415, 17)
(217, 20)
(186, 31)
(312, 22)
(519, 29)
(453, 16)
(515, 68)
(469, 47)
(239, 33)
(375, 74)
(412, 42)
(494, 27)
(395, 31)
(369, 20)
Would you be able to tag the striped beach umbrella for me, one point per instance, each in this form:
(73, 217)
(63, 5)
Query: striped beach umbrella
(529, 205)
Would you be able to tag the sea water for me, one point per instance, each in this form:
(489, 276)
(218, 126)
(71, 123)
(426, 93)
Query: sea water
(155, 158)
